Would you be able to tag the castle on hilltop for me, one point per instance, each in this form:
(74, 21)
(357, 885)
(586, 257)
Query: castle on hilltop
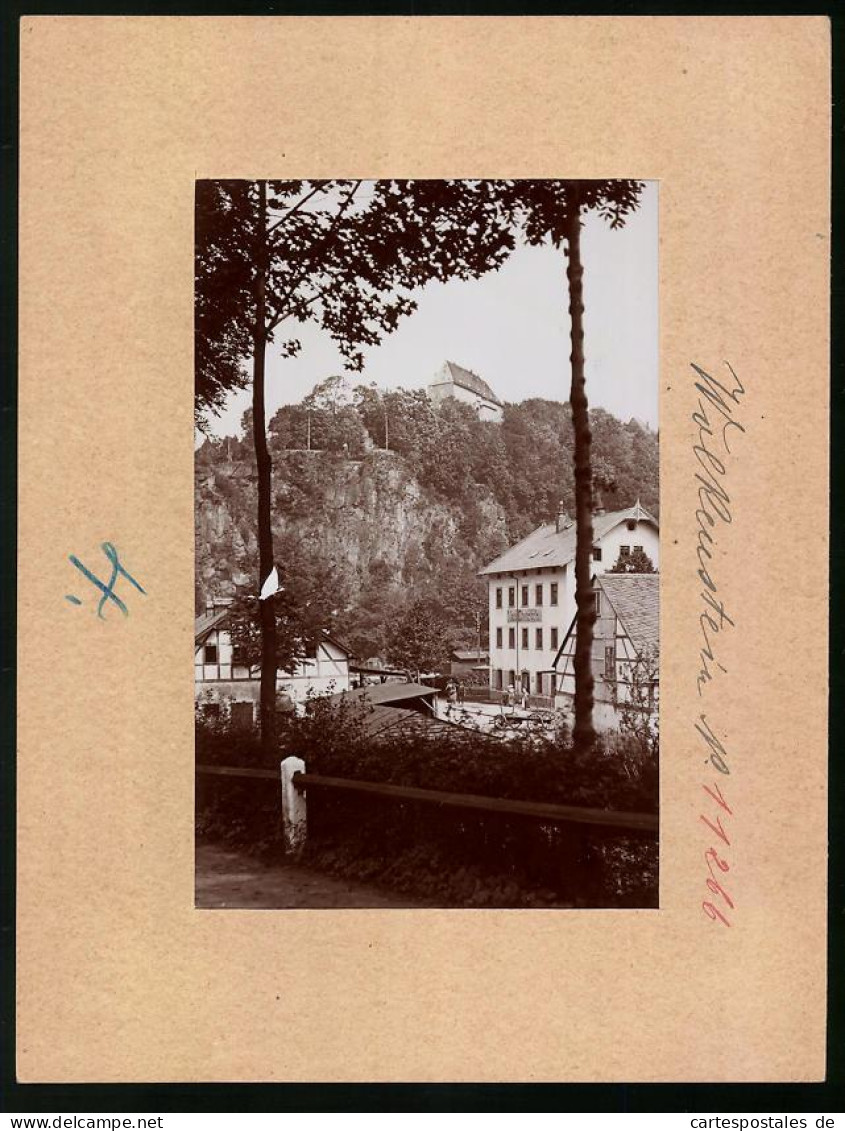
(461, 384)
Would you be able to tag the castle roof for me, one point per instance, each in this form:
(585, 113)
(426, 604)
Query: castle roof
(468, 380)
(547, 547)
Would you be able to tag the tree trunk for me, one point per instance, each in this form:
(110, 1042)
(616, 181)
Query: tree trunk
(267, 609)
(584, 735)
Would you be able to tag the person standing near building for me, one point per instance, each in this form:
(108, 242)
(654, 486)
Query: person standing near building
(451, 696)
(462, 691)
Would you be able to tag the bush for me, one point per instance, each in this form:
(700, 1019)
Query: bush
(332, 739)
(461, 858)
(450, 856)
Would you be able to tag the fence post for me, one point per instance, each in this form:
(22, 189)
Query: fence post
(294, 806)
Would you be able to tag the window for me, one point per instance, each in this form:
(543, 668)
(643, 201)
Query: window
(511, 596)
(210, 656)
(609, 662)
(498, 638)
(597, 600)
(624, 551)
(524, 596)
(538, 639)
(211, 710)
(539, 683)
(638, 548)
(511, 638)
(525, 638)
(596, 553)
(497, 677)
(553, 593)
(499, 597)
(538, 594)
(554, 639)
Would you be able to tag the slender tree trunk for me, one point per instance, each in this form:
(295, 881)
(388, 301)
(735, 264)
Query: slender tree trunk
(584, 734)
(267, 610)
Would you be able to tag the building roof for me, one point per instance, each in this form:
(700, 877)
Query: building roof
(466, 379)
(387, 693)
(207, 621)
(635, 598)
(547, 547)
(390, 722)
(469, 654)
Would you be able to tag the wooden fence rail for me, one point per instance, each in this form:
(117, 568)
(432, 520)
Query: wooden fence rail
(636, 823)
(642, 824)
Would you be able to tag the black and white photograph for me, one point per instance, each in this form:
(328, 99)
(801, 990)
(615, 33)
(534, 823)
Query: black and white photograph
(427, 526)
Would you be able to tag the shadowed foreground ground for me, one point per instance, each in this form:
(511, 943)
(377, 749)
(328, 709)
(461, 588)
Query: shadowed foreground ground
(227, 879)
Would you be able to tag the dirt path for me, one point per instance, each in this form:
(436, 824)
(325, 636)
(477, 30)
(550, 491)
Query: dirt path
(232, 879)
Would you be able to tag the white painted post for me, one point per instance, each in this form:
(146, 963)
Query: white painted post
(294, 807)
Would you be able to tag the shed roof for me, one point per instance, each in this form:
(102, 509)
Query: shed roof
(387, 721)
(387, 693)
(546, 547)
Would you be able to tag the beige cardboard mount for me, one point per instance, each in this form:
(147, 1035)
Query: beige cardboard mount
(120, 978)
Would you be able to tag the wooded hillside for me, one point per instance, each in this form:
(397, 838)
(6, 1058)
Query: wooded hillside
(385, 506)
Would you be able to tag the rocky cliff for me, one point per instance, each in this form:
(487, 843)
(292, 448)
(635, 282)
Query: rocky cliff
(363, 516)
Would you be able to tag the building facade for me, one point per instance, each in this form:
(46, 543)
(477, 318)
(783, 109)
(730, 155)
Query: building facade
(453, 381)
(531, 589)
(222, 684)
(625, 657)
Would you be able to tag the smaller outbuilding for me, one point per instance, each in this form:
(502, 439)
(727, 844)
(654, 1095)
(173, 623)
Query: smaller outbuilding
(470, 664)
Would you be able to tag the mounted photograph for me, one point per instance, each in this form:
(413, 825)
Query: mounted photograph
(427, 524)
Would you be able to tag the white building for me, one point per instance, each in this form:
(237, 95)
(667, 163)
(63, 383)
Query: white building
(222, 683)
(626, 650)
(532, 591)
(463, 385)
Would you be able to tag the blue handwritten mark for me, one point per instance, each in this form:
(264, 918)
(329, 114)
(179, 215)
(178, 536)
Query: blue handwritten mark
(73, 600)
(107, 590)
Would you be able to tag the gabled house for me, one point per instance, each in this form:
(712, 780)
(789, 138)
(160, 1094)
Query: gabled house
(626, 649)
(223, 682)
(532, 591)
(453, 381)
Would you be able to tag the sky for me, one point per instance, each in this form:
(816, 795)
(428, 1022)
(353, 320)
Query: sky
(511, 327)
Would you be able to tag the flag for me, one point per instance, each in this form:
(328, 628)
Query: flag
(271, 585)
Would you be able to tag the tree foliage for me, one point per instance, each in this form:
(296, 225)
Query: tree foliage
(634, 561)
(421, 640)
(313, 594)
